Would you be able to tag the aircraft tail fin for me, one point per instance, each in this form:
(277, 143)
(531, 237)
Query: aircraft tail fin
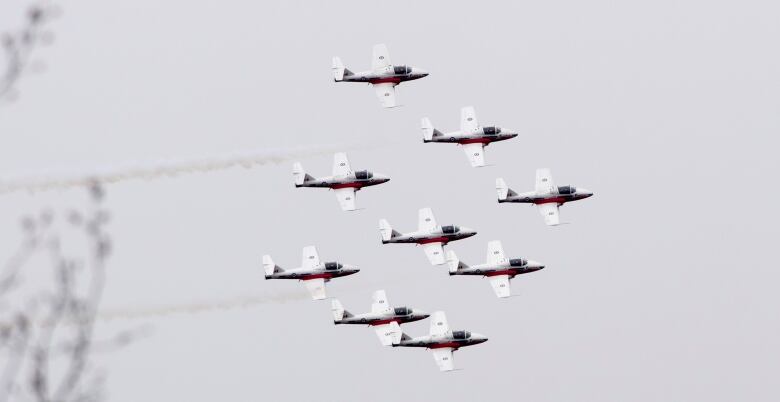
(299, 175)
(387, 231)
(338, 310)
(503, 190)
(397, 340)
(270, 267)
(429, 132)
(339, 71)
(454, 263)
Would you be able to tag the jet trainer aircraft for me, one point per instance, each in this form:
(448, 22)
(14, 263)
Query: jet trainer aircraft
(547, 196)
(430, 235)
(383, 318)
(442, 341)
(498, 268)
(384, 76)
(312, 272)
(471, 136)
(344, 181)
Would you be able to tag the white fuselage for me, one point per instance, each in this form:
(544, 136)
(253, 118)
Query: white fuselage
(515, 266)
(478, 136)
(346, 181)
(446, 340)
(436, 235)
(386, 75)
(532, 197)
(326, 271)
(384, 318)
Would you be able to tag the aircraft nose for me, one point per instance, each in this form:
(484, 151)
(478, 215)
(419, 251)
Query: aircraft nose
(585, 192)
(352, 268)
(421, 72)
(536, 264)
(422, 313)
(479, 338)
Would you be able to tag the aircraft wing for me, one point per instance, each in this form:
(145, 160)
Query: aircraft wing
(386, 93)
(311, 258)
(380, 59)
(500, 284)
(544, 182)
(425, 220)
(476, 154)
(389, 333)
(316, 287)
(445, 358)
(380, 303)
(346, 197)
(341, 165)
(468, 119)
(434, 252)
(439, 325)
(495, 253)
(550, 213)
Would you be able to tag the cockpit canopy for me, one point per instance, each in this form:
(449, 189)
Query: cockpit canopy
(491, 130)
(461, 334)
(450, 229)
(398, 70)
(566, 190)
(332, 266)
(402, 311)
(517, 262)
(363, 175)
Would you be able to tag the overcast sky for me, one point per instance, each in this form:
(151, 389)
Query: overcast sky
(662, 288)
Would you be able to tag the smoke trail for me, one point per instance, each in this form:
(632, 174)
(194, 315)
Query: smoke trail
(201, 307)
(166, 168)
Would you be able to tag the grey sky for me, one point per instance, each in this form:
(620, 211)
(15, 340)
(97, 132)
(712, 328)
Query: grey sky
(662, 288)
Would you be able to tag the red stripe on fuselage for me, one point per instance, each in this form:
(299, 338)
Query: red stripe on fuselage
(443, 240)
(445, 345)
(509, 272)
(476, 141)
(316, 276)
(347, 185)
(394, 80)
(383, 322)
(559, 200)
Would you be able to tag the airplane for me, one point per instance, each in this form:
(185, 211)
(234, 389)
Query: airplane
(384, 76)
(471, 136)
(498, 268)
(384, 318)
(547, 196)
(431, 236)
(344, 181)
(312, 272)
(442, 341)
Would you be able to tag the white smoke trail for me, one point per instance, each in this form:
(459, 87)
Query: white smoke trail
(165, 168)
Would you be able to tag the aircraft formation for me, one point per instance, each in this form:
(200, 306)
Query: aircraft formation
(345, 182)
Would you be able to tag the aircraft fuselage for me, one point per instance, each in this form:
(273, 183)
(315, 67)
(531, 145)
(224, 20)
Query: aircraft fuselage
(532, 197)
(381, 319)
(442, 341)
(502, 269)
(475, 137)
(336, 182)
(434, 236)
(322, 271)
(385, 76)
